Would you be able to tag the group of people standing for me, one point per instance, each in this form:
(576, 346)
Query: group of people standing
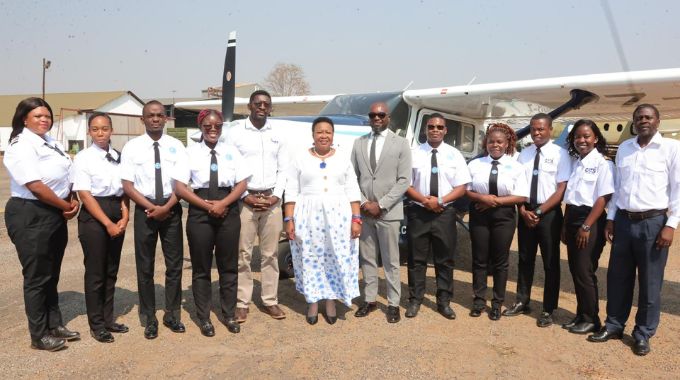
(340, 215)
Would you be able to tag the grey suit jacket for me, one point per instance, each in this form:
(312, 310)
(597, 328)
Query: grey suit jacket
(392, 175)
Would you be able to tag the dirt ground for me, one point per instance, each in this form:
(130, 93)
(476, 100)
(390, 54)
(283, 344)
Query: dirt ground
(426, 346)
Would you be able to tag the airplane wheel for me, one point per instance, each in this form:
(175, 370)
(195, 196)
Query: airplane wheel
(285, 261)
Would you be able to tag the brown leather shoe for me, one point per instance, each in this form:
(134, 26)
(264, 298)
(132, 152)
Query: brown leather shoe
(275, 312)
(241, 314)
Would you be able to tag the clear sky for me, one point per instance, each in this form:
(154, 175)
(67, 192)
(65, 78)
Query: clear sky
(156, 47)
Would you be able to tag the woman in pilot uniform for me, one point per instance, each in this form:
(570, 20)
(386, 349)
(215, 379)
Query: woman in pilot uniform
(589, 189)
(217, 174)
(101, 224)
(498, 184)
(41, 202)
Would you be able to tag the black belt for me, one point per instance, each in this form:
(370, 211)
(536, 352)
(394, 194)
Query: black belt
(643, 214)
(531, 207)
(261, 193)
(109, 198)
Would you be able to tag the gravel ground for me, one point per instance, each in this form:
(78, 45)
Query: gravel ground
(426, 346)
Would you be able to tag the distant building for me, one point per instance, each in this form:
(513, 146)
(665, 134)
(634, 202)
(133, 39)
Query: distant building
(71, 111)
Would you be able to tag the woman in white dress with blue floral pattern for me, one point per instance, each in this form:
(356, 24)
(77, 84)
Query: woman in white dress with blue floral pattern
(322, 221)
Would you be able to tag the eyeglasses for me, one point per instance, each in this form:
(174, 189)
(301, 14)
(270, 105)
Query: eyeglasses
(208, 127)
(431, 127)
(380, 115)
(260, 104)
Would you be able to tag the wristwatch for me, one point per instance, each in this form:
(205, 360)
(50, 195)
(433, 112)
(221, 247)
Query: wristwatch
(440, 200)
(585, 227)
(538, 211)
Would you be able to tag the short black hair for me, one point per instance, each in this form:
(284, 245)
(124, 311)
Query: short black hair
(152, 102)
(97, 114)
(647, 105)
(259, 92)
(542, 116)
(600, 145)
(437, 115)
(323, 119)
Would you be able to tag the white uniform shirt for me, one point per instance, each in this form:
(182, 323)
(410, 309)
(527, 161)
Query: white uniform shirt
(554, 166)
(592, 177)
(93, 172)
(452, 169)
(231, 167)
(137, 163)
(379, 142)
(264, 151)
(30, 158)
(648, 178)
(511, 178)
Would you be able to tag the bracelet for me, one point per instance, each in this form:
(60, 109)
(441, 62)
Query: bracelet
(357, 221)
(357, 216)
(288, 219)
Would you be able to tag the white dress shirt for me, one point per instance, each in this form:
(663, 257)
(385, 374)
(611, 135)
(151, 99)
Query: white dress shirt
(648, 178)
(379, 143)
(511, 178)
(452, 169)
(137, 163)
(554, 166)
(231, 168)
(30, 158)
(592, 177)
(264, 151)
(93, 172)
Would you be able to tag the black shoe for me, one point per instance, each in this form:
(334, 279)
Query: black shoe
(604, 335)
(365, 309)
(495, 313)
(174, 325)
(544, 320)
(392, 314)
(517, 308)
(477, 310)
(48, 343)
(232, 325)
(102, 336)
(412, 309)
(330, 319)
(207, 328)
(641, 347)
(117, 328)
(446, 311)
(585, 328)
(64, 333)
(577, 319)
(151, 330)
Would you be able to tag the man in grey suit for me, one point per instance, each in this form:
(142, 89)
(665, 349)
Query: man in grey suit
(382, 161)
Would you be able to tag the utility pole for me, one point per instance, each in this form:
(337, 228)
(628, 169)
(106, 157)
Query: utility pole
(46, 65)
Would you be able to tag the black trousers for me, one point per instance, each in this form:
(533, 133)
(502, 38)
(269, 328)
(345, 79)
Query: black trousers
(546, 235)
(583, 262)
(39, 234)
(634, 249)
(147, 232)
(101, 259)
(221, 235)
(491, 233)
(436, 233)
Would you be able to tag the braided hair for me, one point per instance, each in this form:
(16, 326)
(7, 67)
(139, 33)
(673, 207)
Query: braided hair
(505, 130)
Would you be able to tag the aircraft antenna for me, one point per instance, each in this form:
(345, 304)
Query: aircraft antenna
(474, 77)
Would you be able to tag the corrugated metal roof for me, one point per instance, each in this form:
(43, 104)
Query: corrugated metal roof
(74, 100)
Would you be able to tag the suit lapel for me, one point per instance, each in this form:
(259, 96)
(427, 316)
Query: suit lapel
(363, 147)
(389, 143)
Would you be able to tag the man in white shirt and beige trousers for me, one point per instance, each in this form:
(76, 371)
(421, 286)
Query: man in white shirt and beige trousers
(643, 215)
(263, 148)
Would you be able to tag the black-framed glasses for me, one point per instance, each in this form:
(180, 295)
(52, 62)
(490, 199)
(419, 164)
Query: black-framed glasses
(380, 115)
(431, 127)
(260, 104)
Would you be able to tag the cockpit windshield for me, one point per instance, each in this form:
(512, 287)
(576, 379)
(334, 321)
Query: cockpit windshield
(359, 104)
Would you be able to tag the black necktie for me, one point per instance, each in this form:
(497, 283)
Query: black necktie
(493, 178)
(374, 163)
(159, 177)
(533, 195)
(54, 148)
(212, 185)
(434, 175)
(112, 160)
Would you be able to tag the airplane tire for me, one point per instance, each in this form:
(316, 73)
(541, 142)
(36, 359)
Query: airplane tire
(285, 258)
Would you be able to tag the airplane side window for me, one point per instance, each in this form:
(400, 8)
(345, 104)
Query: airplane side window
(468, 140)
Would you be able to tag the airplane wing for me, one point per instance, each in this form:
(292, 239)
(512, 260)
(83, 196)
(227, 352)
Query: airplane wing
(282, 105)
(616, 96)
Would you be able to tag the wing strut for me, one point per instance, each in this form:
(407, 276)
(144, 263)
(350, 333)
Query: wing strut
(579, 98)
